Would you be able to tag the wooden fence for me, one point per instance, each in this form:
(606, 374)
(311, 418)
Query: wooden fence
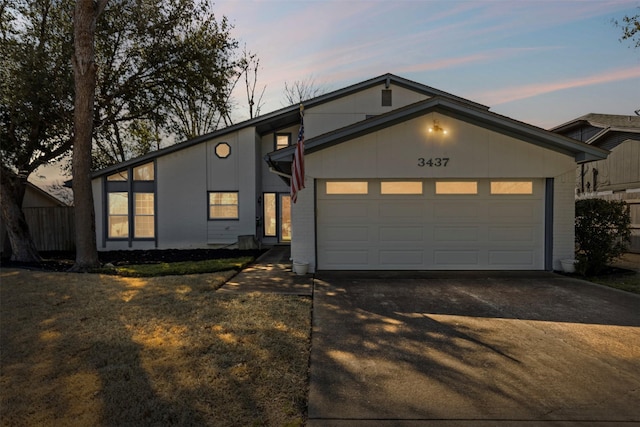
(52, 228)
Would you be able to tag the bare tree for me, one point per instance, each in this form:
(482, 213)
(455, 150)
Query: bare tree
(85, 16)
(301, 90)
(251, 65)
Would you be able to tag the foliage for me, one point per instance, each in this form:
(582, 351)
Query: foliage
(164, 68)
(36, 103)
(36, 84)
(179, 268)
(602, 233)
(630, 27)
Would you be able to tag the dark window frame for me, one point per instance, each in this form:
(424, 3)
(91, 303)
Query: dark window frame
(130, 186)
(215, 150)
(275, 140)
(236, 192)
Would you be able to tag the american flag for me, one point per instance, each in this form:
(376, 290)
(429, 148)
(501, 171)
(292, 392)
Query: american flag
(297, 169)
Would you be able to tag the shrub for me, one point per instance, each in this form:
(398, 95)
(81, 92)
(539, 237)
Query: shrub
(602, 233)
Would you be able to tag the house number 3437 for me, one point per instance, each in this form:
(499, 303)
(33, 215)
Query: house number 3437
(433, 162)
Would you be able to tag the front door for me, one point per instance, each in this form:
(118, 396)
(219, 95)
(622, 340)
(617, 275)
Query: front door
(284, 217)
(277, 216)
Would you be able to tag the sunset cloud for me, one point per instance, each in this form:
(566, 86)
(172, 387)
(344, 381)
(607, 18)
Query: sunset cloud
(510, 94)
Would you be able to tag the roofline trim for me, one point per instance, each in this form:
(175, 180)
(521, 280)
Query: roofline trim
(496, 122)
(292, 109)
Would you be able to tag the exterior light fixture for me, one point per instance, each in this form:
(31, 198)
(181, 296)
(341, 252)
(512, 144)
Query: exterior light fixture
(437, 128)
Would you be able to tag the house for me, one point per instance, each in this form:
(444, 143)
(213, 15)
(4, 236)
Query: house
(50, 221)
(399, 175)
(618, 176)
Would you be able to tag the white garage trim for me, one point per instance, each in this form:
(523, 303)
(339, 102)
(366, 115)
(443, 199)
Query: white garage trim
(469, 229)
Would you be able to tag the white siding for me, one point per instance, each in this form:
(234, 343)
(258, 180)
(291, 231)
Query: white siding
(473, 152)
(270, 181)
(563, 218)
(234, 173)
(303, 241)
(181, 182)
(354, 108)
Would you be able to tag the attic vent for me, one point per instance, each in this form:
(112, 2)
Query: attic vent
(386, 97)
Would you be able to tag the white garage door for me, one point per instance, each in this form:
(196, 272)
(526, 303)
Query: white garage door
(430, 224)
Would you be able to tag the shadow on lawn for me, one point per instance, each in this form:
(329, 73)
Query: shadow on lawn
(98, 350)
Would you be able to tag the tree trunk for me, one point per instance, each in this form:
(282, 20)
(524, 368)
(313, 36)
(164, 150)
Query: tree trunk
(12, 189)
(84, 72)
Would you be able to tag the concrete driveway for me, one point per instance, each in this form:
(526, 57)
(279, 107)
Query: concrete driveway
(481, 348)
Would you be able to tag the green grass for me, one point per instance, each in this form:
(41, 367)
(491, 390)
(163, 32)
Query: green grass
(629, 282)
(178, 268)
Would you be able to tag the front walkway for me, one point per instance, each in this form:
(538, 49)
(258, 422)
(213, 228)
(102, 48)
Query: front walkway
(271, 273)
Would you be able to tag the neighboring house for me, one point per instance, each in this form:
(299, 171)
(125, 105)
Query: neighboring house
(38, 207)
(399, 175)
(618, 176)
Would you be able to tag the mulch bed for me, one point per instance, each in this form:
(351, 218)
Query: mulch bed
(63, 261)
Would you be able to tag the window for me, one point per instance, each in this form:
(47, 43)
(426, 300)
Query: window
(511, 187)
(118, 218)
(456, 187)
(120, 176)
(223, 205)
(283, 140)
(270, 214)
(144, 208)
(143, 173)
(130, 203)
(223, 150)
(401, 187)
(347, 187)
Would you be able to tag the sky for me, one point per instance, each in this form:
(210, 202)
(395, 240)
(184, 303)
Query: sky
(543, 62)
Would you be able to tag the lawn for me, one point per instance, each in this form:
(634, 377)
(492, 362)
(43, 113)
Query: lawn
(91, 349)
(628, 281)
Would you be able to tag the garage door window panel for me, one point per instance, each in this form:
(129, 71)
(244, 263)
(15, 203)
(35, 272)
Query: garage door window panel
(347, 187)
(401, 187)
(457, 187)
(512, 187)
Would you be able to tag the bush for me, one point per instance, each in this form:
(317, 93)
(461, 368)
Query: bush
(602, 234)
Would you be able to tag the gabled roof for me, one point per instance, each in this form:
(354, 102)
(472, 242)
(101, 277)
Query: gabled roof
(462, 111)
(289, 116)
(604, 121)
(604, 130)
(45, 194)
